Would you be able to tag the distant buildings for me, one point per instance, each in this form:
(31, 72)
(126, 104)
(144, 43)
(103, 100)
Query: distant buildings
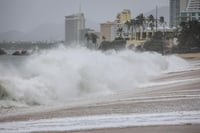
(193, 5)
(108, 31)
(74, 28)
(192, 11)
(184, 10)
(124, 16)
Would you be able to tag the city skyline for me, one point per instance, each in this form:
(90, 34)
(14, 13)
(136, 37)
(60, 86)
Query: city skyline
(25, 15)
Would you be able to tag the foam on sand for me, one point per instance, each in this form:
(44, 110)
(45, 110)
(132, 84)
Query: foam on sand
(102, 121)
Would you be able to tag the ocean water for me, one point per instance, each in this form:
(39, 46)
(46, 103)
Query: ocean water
(66, 73)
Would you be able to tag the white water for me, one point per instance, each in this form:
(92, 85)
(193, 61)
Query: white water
(102, 121)
(59, 75)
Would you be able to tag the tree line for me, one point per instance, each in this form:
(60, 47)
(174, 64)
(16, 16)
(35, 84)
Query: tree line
(189, 35)
(134, 27)
(139, 24)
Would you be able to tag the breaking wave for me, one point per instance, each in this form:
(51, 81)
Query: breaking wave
(61, 74)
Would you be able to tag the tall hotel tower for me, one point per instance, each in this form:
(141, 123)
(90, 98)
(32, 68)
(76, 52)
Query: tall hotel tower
(193, 5)
(192, 11)
(174, 12)
(184, 10)
(74, 28)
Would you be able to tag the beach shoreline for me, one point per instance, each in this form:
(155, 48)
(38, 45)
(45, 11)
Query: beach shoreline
(169, 96)
(189, 55)
(187, 128)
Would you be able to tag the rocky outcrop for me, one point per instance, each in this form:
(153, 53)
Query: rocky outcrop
(2, 52)
(23, 52)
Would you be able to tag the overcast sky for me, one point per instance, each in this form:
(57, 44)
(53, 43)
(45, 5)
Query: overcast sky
(25, 15)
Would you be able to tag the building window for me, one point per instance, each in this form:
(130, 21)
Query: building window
(183, 14)
(194, 18)
(193, 14)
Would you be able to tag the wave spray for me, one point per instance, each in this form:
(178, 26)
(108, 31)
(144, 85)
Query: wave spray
(61, 74)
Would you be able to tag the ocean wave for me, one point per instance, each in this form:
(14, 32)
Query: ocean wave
(62, 74)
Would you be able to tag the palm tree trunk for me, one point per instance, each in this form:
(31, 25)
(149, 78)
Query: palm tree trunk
(141, 33)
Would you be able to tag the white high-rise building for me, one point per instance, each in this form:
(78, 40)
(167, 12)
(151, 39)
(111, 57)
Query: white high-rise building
(184, 10)
(193, 5)
(74, 28)
(192, 12)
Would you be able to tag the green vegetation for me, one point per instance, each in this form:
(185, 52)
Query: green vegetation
(151, 22)
(189, 36)
(134, 28)
(116, 44)
(137, 26)
(156, 43)
(91, 37)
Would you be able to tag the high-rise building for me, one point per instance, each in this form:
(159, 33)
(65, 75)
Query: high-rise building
(183, 5)
(124, 16)
(74, 28)
(193, 5)
(108, 31)
(192, 12)
(174, 12)
(184, 10)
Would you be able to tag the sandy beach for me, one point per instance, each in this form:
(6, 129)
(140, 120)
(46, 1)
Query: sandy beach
(190, 55)
(172, 92)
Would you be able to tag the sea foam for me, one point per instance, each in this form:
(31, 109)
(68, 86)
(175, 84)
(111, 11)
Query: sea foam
(64, 73)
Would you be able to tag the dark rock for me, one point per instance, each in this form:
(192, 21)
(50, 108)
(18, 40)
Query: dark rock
(17, 53)
(23, 52)
(2, 52)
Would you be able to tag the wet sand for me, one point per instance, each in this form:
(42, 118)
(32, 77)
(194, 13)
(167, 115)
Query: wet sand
(183, 95)
(190, 55)
(146, 129)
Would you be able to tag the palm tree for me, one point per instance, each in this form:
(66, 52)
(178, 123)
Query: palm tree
(120, 30)
(137, 26)
(141, 21)
(94, 38)
(87, 36)
(162, 23)
(104, 38)
(91, 37)
(151, 22)
(161, 20)
(128, 24)
(133, 26)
